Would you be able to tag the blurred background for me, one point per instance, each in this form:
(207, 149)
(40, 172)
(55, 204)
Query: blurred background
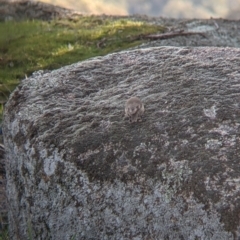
(165, 8)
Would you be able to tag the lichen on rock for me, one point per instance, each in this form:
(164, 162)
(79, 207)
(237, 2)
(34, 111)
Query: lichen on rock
(77, 169)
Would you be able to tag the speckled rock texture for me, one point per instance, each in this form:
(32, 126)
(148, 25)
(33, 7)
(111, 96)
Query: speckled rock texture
(76, 169)
(28, 9)
(214, 32)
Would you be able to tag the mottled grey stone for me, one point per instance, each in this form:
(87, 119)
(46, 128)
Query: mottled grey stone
(209, 32)
(77, 170)
(28, 9)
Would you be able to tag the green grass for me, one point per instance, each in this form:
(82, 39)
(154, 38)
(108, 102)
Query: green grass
(4, 235)
(28, 46)
(3, 228)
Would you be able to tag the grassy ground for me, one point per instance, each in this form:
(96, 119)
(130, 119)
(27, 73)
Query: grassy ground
(28, 46)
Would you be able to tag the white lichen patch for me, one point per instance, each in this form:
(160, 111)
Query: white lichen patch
(230, 142)
(15, 127)
(49, 166)
(50, 162)
(234, 182)
(213, 144)
(224, 130)
(201, 28)
(210, 112)
(184, 142)
(105, 125)
(174, 173)
(86, 155)
(138, 149)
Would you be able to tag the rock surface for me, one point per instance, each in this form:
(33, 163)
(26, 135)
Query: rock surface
(77, 170)
(79, 167)
(211, 32)
(28, 9)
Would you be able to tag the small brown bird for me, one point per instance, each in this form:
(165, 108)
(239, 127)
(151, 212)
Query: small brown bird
(134, 109)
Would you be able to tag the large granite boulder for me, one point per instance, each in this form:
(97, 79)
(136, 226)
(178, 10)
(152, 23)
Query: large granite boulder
(76, 169)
